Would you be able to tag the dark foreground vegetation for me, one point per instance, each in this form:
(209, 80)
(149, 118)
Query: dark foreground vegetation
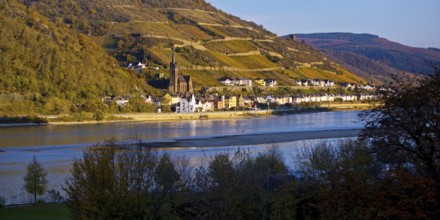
(21, 120)
(41, 211)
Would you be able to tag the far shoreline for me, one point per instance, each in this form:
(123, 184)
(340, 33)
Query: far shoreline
(165, 117)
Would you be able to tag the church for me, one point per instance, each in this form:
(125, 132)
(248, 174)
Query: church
(178, 83)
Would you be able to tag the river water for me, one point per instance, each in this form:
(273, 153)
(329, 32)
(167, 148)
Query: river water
(56, 146)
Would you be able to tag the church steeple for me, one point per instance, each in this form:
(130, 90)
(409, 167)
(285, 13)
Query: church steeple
(173, 59)
(174, 73)
(178, 83)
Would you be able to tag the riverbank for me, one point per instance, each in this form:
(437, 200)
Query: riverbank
(155, 117)
(144, 117)
(196, 115)
(347, 106)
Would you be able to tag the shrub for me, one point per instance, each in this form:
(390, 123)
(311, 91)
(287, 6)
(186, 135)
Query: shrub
(2, 201)
(99, 115)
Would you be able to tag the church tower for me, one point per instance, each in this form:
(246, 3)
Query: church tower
(174, 74)
(178, 83)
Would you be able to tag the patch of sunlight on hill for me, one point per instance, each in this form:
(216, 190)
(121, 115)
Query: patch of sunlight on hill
(214, 31)
(233, 46)
(294, 74)
(352, 76)
(164, 56)
(138, 14)
(194, 32)
(224, 60)
(239, 32)
(255, 62)
(315, 73)
(204, 16)
(147, 29)
(202, 78)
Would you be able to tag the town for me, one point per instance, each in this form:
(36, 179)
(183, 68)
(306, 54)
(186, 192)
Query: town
(181, 98)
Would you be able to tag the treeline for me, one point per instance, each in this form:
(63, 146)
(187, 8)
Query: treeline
(328, 182)
(55, 69)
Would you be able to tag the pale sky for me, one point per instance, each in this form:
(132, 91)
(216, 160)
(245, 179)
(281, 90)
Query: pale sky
(410, 22)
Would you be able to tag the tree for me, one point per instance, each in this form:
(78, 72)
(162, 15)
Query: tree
(168, 190)
(221, 171)
(35, 179)
(405, 130)
(166, 175)
(110, 183)
(404, 136)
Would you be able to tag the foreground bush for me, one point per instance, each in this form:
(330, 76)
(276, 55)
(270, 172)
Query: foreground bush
(332, 181)
(115, 181)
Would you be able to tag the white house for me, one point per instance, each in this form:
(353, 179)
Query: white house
(227, 81)
(348, 86)
(270, 82)
(304, 82)
(137, 67)
(187, 105)
(245, 82)
(367, 87)
(122, 102)
(283, 100)
(270, 99)
(365, 97)
(208, 106)
(149, 99)
(261, 100)
(329, 83)
(314, 82)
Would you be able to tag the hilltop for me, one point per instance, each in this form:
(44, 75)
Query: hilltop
(372, 56)
(211, 44)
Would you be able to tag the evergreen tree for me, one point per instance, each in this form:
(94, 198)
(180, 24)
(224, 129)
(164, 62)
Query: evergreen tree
(35, 179)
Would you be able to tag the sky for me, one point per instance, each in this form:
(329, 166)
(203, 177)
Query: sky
(410, 22)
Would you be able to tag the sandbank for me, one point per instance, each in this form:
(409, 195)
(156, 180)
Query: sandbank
(255, 139)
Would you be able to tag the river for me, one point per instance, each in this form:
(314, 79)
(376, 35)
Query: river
(56, 146)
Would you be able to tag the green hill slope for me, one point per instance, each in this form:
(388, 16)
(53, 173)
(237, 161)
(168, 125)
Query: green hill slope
(48, 68)
(212, 43)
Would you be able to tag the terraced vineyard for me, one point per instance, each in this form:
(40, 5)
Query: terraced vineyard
(230, 47)
(211, 44)
(255, 62)
(194, 33)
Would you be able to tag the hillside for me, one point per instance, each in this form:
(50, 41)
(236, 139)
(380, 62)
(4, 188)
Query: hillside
(370, 55)
(211, 43)
(49, 68)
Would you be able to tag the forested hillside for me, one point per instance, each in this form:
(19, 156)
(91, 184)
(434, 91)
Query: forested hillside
(49, 68)
(372, 56)
(211, 44)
